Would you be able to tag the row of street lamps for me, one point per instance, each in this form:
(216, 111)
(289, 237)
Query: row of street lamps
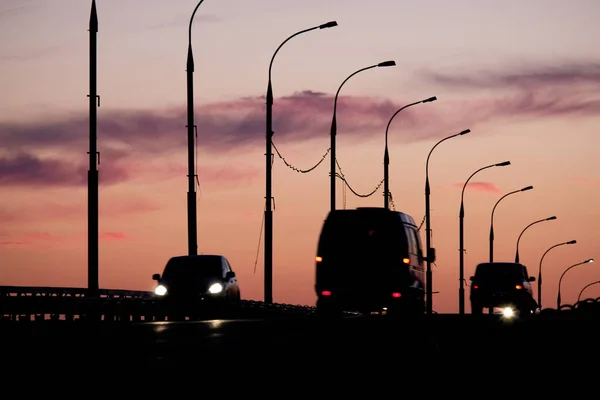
(268, 245)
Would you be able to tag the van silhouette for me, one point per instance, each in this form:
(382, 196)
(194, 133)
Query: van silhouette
(370, 260)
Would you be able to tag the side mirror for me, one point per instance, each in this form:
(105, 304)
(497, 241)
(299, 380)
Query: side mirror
(471, 278)
(431, 255)
(156, 277)
(532, 279)
(230, 275)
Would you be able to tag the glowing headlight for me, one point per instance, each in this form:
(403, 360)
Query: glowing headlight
(215, 288)
(160, 290)
(508, 312)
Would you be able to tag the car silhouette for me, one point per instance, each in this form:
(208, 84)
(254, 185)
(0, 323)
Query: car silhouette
(502, 284)
(195, 283)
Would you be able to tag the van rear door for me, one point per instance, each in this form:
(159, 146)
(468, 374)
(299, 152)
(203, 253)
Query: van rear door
(359, 248)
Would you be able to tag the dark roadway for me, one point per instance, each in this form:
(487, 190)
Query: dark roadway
(370, 343)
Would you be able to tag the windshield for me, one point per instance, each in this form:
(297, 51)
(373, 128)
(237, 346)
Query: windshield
(500, 271)
(193, 268)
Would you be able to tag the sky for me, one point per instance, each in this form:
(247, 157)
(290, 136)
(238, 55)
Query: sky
(523, 76)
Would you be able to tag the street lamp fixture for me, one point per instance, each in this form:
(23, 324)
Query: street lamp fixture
(585, 287)
(386, 157)
(461, 217)
(589, 260)
(333, 131)
(492, 219)
(430, 252)
(268, 278)
(523, 231)
(539, 279)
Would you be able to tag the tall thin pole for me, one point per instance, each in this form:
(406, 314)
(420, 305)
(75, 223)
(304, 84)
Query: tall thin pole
(428, 259)
(333, 130)
(192, 212)
(539, 279)
(268, 276)
(461, 278)
(461, 234)
(94, 160)
(386, 155)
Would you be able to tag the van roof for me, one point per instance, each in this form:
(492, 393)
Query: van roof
(406, 219)
(197, 256)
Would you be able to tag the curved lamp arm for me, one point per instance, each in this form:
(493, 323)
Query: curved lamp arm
(585, 287)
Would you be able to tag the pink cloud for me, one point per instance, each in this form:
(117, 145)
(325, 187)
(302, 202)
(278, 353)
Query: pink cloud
(485, 187)
(52, 211)
(585, 181)
(112, 236)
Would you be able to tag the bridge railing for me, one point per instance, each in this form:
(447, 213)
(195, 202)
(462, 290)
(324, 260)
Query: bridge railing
(19, 302)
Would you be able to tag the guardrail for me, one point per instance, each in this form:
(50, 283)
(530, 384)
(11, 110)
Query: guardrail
(56, 303)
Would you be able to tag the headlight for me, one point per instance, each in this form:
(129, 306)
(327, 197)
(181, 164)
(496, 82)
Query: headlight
(160, 290)
(215, 288)
(508, 312)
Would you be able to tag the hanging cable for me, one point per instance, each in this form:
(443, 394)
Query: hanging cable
(421, 224)
(392, 205)
(293, 168)
(262, 225)
(343, 178)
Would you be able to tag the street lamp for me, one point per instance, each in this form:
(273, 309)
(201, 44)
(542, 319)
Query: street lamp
(523, 231)
(191, 131)
(430, 257)
(268, 278)
(333, 131)
(563, 274)
(585, 287)
(492, 219)
(461, 217)
(540, 270)
(386, 156)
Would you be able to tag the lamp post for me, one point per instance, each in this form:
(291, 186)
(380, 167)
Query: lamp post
(492, 219)
(523, 231)
(268, 278)
(386, 156)
(428, 276)
(461, 217)
(563, 274)
(191, 131)
(333, 131)
(585, 287)
(539, 279)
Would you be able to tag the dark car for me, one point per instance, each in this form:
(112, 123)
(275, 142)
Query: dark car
(502, 284)
(370, 260)
(193, 283)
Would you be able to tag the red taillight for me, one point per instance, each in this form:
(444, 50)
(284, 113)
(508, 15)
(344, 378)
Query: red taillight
(318, 259)
(325, 293)
(518, 287)
(396, 295)
(475, 287)
(406, 260)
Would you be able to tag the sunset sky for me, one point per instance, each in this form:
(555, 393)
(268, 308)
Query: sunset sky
(524, 76)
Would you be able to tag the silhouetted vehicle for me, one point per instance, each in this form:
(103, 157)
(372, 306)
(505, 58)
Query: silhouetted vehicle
(191, 284)
(370, 259)
(502, 284)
